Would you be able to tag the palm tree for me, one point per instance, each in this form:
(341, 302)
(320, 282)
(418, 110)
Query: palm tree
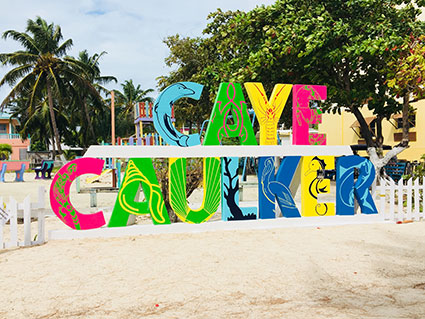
(38, 123)
(131, 95)
(92, 74)
(39, 69)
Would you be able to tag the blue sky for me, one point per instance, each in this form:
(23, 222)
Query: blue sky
(130, 31)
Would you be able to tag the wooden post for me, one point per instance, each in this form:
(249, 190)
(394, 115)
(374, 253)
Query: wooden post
(113, 117)
(13, 211)
(114, 180)
(41, 227)
(27, 221)
(1, 225)
(93, 198)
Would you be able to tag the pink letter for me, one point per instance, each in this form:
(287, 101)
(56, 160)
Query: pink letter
(59, 194)
(303, 116)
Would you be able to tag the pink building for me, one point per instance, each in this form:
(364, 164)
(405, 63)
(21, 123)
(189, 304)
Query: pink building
(9, 136)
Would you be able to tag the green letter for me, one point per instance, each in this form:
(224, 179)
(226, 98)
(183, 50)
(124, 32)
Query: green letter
(139, 171)
(177, 185)
(230, 101)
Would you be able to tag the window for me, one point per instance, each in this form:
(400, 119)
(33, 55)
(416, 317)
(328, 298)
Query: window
(412, 121)
(3, 128)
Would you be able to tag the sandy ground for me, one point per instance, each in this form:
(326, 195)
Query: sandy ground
(358, 271)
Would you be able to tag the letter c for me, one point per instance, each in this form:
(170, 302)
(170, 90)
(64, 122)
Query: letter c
(59, 194)
(162, 113)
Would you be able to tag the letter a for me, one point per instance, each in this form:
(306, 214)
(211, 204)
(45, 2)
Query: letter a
(230, 102)
(139, 171)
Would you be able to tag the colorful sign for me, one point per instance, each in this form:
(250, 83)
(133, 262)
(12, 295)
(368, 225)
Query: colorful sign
(139, 172)
(60, 199)
(229, 118)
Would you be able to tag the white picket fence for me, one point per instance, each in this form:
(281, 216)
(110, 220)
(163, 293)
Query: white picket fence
(399, 201)
(26, 210)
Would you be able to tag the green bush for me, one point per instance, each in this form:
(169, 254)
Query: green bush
(417, 171)
(5, 151)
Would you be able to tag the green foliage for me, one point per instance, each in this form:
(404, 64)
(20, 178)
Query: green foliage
(131, 95)
(407, 71)
(37, 124)
(5, 151)
(41, 74)
(189, 57)
(126, 102)
(37, 146)
(418, 171)
(406, 77)
(345, 45)
(69, 155)
(87, 108)
(340, 44)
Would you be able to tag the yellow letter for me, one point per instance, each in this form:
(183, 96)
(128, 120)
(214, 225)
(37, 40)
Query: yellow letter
(312, 185)
(268, 113)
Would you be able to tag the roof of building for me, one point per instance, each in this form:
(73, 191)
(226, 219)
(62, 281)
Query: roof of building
(4, 115)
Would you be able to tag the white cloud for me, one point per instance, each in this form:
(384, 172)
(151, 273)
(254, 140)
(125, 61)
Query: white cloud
(130, 31)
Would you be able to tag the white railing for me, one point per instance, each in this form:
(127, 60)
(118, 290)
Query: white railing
(12, 211)
(399, 201)
(9, 136)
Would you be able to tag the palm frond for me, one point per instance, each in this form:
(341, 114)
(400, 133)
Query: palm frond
(22, 38)
(16, 90)
(34, 90)
(17, 58)
(65, 46)
(106, 79)
(13, 75)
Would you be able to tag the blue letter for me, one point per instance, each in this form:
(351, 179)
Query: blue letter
(346, 189)
(271, 187)
(162, 113)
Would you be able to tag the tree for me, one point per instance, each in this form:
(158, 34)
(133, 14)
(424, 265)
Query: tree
(345, 45)
(37, 123)
(406, 78)
(90, 104)
(189, 57)
(131, 95)
(39, 69)
(126, 101)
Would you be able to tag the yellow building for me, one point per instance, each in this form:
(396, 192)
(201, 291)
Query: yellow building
(345, 130)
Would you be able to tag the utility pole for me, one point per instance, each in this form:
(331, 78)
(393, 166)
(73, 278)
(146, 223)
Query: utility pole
(113, 117)
(114, 177)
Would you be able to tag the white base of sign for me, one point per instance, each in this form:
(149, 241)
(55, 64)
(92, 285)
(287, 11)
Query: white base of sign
(177, 228)
(216, 151)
